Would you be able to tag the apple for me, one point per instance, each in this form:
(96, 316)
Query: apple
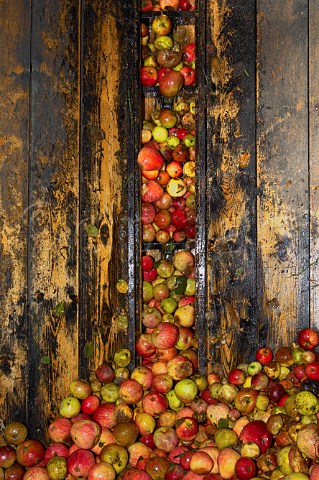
(264, 355)
(148, 76)
(85, 433)
(256, 431)
(259, 381)
(166, 202)
(60, 430)
(189, 75)
(184, 5)
(102, 470)
(15, 433)
(227, 460)
(57, 467)
(312, 371)
(55, 449)
(237, 376)
(175, 472)
(143, 376)
(201, 463)
(149, 158)
(154, 403)
(105, 415)
(137, 451)
(131, 392)
(161, 25)
(189, 52)
(165, 438)
(186, 390)
(90, 404)
(186, 428)
(151, 191)
(245, 400)
(170, 83)
(15, 472)
(148, 213)
(174, 169)
(308, 339)
(165, 335)
(70, 407)
(157, 466)
(80, 462)
(245, 468)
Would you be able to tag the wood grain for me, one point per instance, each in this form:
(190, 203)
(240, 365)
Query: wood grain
(14, 134)
(231, 216)
(282, 170)
(54, 197)
(313, 161)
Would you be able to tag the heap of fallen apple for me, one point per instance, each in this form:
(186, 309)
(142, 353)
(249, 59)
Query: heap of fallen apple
(164, 420)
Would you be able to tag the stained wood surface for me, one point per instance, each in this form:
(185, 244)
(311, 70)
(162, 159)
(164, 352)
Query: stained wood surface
(282, 170)
(69, 197)
(14, 132)
(231, 217)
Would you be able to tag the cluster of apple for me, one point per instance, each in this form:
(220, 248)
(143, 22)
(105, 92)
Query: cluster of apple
(164, 61)
(167, 163)
(167, 5)
(164, 420)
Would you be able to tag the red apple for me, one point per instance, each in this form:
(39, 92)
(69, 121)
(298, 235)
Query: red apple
(184, 5)
(80, 463)
(186, 428)
(179, 219)
(308, 339)
(148, 76)
(256, 431)
(169, 5)
(105, 415)
(165, 335)
(144, 346)
(149, 158)
(30, 452)
(201, 463)
(170, 83)
(55, 449)
(189, 75)
(189, 52)
(7, 456)
(151, 191)
(174, 169)
(245, 400)
(131, 391)
(60, 430)
(237, 376)
(148, 213)
(85, 433)
(245, 468)
(312, 371)
(154, 403)
(264, 355)
(33, 473)
(163, 219)
(105, 373)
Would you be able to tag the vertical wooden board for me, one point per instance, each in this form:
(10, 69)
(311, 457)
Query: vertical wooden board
(231, 214)
(282, 170)
(313, 160)
(104, 183)
(14, 135)
(53, 217)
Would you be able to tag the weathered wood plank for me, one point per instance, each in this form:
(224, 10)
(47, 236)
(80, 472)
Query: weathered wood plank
(14, 134)
(231, 228)
(54, 192)
(313, 160)
(282, 145)
(106, 109)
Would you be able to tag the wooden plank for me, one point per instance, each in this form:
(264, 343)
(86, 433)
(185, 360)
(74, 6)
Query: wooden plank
(313, 160)
(282, 166)
(106, 175)
(14, 135)
(231, 214)
(54, 192)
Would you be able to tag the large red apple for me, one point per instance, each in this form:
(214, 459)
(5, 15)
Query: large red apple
(151, 191)
(149, 158)
(85, 433)
(171, 83)
(80, 463)
(256, 431)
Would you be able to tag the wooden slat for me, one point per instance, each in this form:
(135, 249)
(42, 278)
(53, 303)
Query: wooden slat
(14, 134)
(104, 182)
(313, 160)
(231, 313)
(54, 192)
(282, 143)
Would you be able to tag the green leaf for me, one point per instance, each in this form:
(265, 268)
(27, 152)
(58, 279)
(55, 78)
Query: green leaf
(181, 283)
(46, 360)
(59, 309)
(88, 350)
(92, 231)
(223, 423)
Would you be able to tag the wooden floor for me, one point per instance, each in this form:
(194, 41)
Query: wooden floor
(69, 130)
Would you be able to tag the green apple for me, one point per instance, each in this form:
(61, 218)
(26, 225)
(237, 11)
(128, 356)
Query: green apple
(254, 367)
(110, 392)
(186, 390)
(225, 437)
(122, 358)
(172, 141)
(116, 455)
(163, 41)
(190, 287)
(174, 402)
(160, 134)
(169, 305)
(70, 407)
(306, 403)
(147, 291)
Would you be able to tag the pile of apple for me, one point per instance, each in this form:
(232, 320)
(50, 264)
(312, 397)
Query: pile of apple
(164, 61)
(164, 420)
(167, 163)
(167, 5)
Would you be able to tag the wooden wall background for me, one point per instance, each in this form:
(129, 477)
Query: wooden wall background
(69, 130)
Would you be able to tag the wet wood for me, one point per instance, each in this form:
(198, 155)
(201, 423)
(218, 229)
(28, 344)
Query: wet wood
(54, 198)
(231, 312)
(282, 170)
(313, 161)
(14, 212)
(103, 208)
